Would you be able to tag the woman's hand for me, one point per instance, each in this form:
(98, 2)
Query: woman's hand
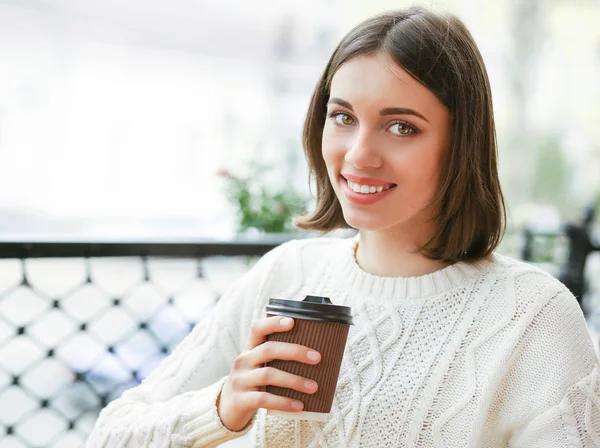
(244, 391)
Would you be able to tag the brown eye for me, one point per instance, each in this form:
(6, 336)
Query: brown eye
(343, 119)
(402, 128)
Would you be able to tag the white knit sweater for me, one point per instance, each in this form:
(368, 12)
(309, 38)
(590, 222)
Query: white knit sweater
(488, 354)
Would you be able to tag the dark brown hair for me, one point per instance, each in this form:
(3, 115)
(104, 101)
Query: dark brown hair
(440, 53)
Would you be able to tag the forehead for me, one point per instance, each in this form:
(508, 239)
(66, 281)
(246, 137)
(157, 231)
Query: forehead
(377, 81)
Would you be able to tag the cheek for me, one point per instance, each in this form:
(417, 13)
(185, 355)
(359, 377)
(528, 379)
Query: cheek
(421, 179)
(416, 164)
(332, 149)
(423, 171)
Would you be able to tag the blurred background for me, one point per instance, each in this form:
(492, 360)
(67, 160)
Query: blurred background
(150, 150)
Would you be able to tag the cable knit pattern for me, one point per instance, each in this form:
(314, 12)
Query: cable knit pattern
(493, 354)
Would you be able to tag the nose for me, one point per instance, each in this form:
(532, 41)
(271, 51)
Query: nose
(362, 153)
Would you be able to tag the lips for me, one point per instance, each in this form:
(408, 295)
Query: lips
(365, 199)
(369, 181)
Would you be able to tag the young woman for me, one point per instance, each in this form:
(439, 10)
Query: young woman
(453, 345)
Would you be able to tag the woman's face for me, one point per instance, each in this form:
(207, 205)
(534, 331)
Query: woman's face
(383, 142)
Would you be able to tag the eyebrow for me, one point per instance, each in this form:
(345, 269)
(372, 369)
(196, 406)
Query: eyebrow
(382, 112)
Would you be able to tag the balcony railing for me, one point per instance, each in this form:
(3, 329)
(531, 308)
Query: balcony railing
(80, 322)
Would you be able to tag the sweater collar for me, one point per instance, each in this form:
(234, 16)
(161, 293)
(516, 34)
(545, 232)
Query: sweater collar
(360, 281)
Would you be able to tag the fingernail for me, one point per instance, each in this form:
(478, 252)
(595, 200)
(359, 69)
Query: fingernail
(296, 405)
(286, 321)
(310, 385)
(313, 356)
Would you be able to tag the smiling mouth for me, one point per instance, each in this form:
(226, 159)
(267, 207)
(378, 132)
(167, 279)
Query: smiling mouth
(367, 189)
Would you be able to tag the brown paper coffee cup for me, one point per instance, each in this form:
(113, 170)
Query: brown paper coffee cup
(323, 327)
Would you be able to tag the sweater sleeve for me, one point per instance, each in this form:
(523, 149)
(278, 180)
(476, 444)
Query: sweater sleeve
(556, 381)
(175, 406)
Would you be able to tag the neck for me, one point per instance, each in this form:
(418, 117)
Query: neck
(390, 255)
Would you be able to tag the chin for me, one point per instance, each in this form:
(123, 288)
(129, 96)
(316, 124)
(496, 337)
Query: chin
(364, 221)
(372, 222)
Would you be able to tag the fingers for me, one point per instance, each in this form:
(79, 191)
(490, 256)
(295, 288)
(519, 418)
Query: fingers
(269, 376)
(254, 400)
(262, 327)
(286, 351)
(250, 376)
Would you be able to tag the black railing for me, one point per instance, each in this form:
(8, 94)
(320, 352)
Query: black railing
(77, 330)
(196, 249)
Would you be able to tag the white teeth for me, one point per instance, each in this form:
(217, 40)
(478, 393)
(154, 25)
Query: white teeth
(366, 189)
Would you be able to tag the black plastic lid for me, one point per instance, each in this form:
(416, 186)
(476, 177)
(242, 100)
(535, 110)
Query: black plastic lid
(311, 308)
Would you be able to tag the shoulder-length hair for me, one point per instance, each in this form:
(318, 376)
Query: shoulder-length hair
(440, 53)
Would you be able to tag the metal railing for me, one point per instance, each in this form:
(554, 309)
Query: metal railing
(82, 322)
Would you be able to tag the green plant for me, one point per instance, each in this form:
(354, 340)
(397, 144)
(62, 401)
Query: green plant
(261, 208)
